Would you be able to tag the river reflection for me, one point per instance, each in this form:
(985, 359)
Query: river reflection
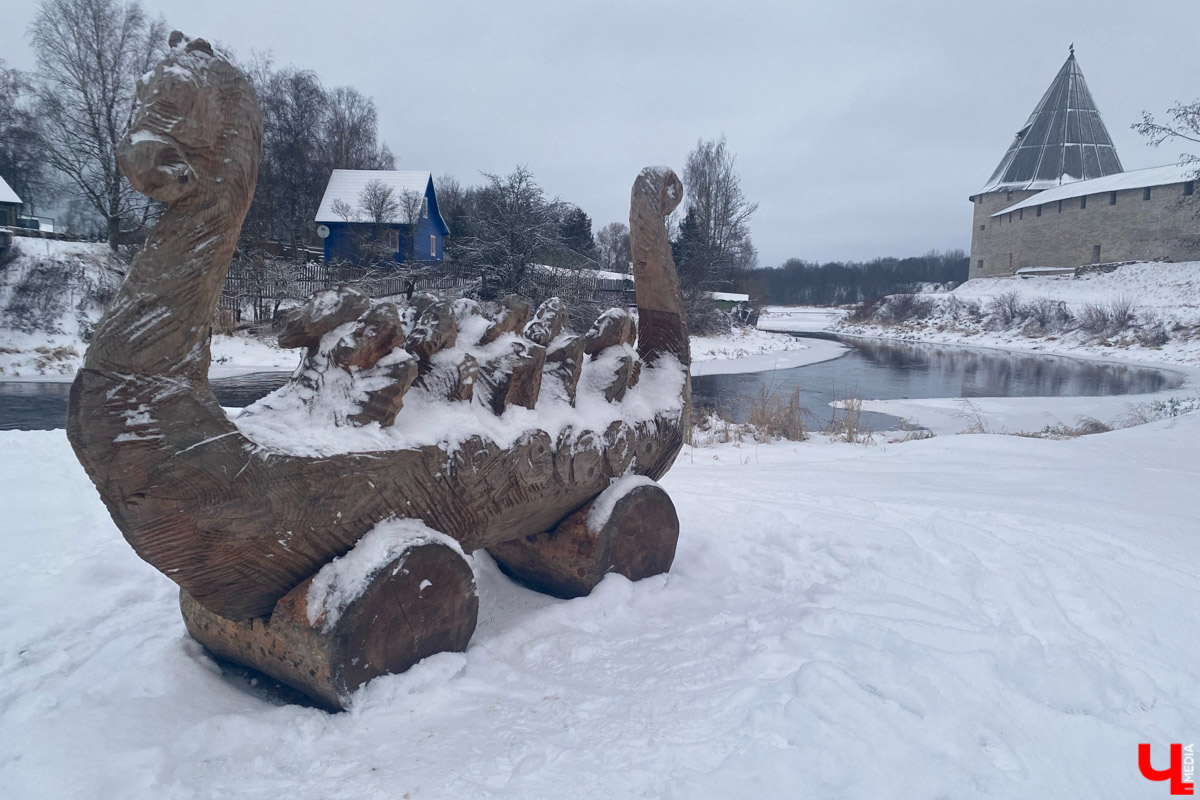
(876, 370)
(870, 370)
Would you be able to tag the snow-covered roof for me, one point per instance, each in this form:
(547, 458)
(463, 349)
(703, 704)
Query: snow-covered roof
(7, 195)
(1135, 179)
(347, 185)
(732, 297)
(605, 275)
(1063, 140)
(598, 274)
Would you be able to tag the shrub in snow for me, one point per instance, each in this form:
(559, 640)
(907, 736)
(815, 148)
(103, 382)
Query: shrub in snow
(1095, 319)
(705, 318)
(1049, 315)
(906, 307)
(1006, 309)
(960, 310)
(1122, 313)
(846, 424)
(1152, 333)
(867, 311)
(775, 417)
(1155, 410)
(51, 288)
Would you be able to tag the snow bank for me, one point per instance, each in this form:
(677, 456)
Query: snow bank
(1169, 289)
(961, 617)
(243, 354)
(51, 295)
(799, 319)
(1159, 292)
(751, 350)
(1030, 415)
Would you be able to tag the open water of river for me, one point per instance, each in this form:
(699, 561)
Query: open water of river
(879, 370)
(869, 370)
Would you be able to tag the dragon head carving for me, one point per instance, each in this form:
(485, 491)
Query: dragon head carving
(198, 129)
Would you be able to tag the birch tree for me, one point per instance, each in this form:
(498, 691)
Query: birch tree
(90, 54)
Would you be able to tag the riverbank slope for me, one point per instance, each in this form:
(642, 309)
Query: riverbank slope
(1144, 314)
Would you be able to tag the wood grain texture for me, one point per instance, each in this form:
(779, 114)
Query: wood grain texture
(422, 603)
(637, 540)
(206, 505)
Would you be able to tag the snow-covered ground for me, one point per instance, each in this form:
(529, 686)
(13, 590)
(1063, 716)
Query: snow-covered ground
(750, 350)
(958, 617)
(799, 319)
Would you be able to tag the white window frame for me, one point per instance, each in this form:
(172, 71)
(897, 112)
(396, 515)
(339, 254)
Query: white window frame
(433, 245)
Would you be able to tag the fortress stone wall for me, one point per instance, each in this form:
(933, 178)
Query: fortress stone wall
(1114, 226)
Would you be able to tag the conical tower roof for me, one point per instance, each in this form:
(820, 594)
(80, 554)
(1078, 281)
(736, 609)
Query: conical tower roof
(1064, 139)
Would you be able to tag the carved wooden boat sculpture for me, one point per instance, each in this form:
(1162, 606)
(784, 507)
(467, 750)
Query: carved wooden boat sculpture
(251, 519)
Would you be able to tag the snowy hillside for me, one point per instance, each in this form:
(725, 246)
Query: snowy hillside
(1144, 311)
(1172, 290)
(51, 295)
(840, 622)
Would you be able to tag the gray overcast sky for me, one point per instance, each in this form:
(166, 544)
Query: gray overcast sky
(860, 127)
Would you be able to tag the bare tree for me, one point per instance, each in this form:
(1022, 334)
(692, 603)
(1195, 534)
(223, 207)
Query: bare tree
(612, 245)
(379, 206)
(350, 133)
(513, 226)
(344, 210)
(21, 161)
(292, 174)
(455, 202)
(718, 215)
(90, 54)
(412, 210)
(308, 132)
(1183, 124)
(378, 203)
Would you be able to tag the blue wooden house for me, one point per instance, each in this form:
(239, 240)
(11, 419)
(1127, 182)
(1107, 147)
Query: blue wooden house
(344, 223)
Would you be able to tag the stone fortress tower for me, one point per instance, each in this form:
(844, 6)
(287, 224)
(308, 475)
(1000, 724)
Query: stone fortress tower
(1060, 197)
